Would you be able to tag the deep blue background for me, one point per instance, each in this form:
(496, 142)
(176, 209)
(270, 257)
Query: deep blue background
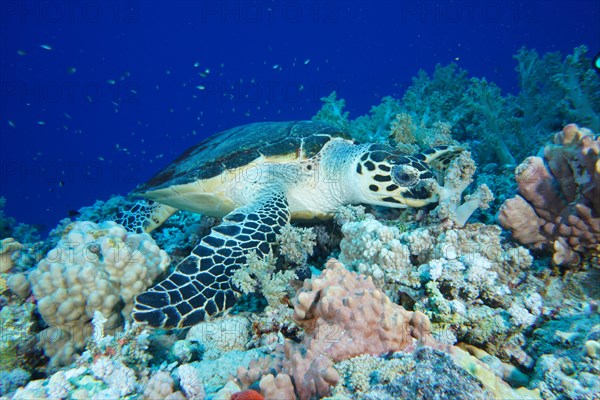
(119, 94)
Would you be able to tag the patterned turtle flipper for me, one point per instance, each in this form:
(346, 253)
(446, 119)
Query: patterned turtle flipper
(201, 284)
(439, 158)
(144, 216)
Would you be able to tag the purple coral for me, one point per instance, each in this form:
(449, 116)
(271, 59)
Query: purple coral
(558, 208)
(344, 315)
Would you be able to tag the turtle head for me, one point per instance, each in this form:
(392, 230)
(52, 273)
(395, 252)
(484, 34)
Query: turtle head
(391, 179)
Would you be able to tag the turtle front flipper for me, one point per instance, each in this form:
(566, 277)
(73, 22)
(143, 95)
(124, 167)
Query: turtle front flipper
(201, 284)
(145, 216)
(439, 158)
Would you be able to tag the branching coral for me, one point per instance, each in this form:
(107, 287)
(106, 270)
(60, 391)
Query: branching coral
(260, 276)
(503, 128)
(459, 277)
(332, 111)
(430, 100)
(115, 366)
(457, 178)
(554, 90)
(487, 118)
(410, 138)
(296, 244)
(344, 316)
(558, 208)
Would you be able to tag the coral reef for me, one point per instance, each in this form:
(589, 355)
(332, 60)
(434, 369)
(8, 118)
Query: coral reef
(457, 178)
(558, 206)
(8, 247)
(260, 276)
(555, 90)
(343, 315)
(102, 211)
(113, 366)
(20, 232)
(10, 381)
(422, 374)
(221, 335)
(566, 345)
(296, 244)
(180, 233)
(450, 106)
(95, 267)
(443, 307)
(459, 277)
(16, 329)
(190, 382)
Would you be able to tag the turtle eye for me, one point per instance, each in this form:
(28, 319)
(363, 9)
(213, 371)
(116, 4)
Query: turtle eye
(405, 175)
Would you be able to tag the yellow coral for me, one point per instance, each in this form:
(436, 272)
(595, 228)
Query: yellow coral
(95, 267)
(8, 246)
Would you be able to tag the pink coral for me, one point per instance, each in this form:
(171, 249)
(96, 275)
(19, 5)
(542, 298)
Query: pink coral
(558, 208)
(344, 315)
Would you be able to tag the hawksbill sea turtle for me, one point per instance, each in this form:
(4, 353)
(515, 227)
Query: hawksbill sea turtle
(258, 177)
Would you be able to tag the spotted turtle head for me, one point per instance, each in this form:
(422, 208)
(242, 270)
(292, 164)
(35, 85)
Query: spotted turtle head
(391, 179)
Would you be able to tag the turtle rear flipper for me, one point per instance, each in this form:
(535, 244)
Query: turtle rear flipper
(144, 216)
(201, 284)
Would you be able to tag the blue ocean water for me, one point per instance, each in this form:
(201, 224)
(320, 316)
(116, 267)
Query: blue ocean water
(98, 96)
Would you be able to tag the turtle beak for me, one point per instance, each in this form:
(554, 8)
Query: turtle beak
(423, 193)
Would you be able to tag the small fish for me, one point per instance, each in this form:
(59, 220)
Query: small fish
(248, 394)
(306, 61)
(46, 47)
(42, 123)
(72, 70)
(111, 81)
(12, 124)
(276, 66)
(200, 87)
(21, 52)
(196, 64)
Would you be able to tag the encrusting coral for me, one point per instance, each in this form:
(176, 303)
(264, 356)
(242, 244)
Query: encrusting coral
(343, 315)
(114, 367)
(8, 246)
(459, 277)
(558, 206)
(95, 267)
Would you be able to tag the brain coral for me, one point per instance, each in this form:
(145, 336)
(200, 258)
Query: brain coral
(94, 267)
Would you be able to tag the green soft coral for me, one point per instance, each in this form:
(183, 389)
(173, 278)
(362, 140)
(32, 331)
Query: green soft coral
(260, 276)
(555, 91)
